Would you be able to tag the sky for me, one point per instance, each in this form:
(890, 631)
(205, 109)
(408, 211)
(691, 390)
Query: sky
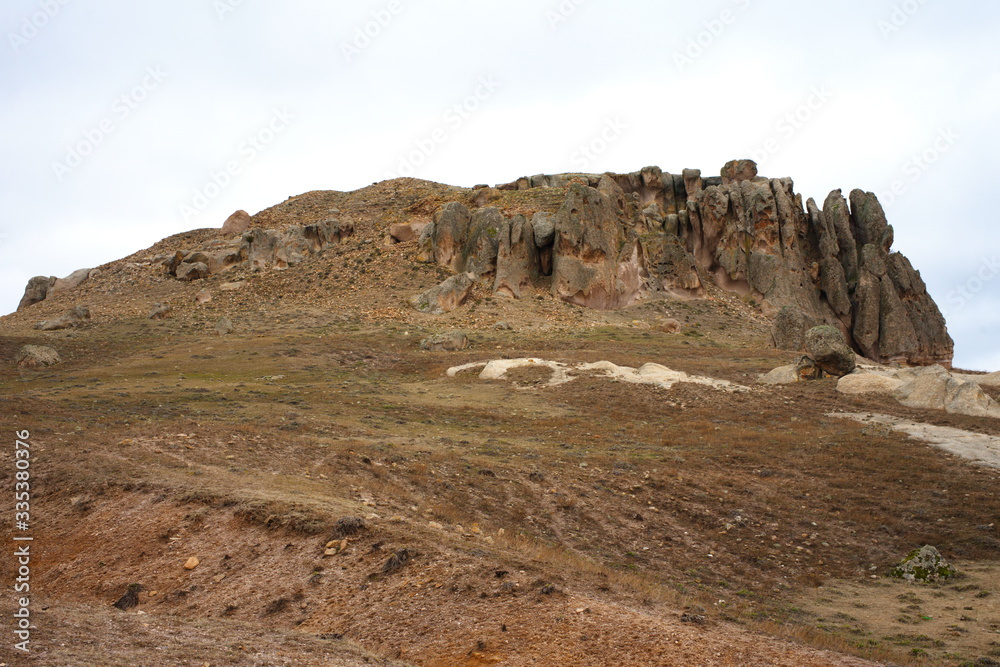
(125, 122)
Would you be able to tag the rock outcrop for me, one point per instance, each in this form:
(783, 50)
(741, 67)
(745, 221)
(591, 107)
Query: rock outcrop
(36, 291)
(926, 388)
(618, 238)
(77, 316)
(36, 356)
(237, 223)
(447, 296)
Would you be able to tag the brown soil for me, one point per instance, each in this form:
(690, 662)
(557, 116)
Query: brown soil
(591, 523)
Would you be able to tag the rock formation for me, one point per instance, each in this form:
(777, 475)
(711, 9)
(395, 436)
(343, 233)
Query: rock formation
(618, 238)
(237, 223)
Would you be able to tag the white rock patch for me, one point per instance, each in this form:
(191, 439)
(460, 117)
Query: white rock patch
(653, 374)
(976, 447)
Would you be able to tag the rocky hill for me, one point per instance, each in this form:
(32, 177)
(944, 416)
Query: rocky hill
(607, 241)
(417, 424)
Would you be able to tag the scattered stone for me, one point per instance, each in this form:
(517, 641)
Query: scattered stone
(925, 565)
(160, 311)
(223, 326)
(830, 350)
(203, 297)
(36, 356)
(452, 341)
(231, 287)
(130, 599)
(447, 296)
(74, 317)
(237, 223)
(192, 563)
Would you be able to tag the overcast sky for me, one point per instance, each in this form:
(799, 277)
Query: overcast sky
(124, 122)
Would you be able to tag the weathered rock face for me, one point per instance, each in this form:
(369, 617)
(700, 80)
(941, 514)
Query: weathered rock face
(36, 291)
(788, 332)
(517, 258)
(595, 259)
(753, 236)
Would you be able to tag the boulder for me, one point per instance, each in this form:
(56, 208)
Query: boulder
(160, 311)
(934, 388)
(788, 332)
(237, 223)
(862, 382)
(192, 271)
(925, 565)
(445, 297)
(802, 370)
(77, 316)
(36, 356)
(452, 341)
(544, 227)
(829, 348)
(403, 232)
(72, 281)
(36, 291)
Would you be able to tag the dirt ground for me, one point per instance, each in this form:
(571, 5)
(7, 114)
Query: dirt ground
(348, 501)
